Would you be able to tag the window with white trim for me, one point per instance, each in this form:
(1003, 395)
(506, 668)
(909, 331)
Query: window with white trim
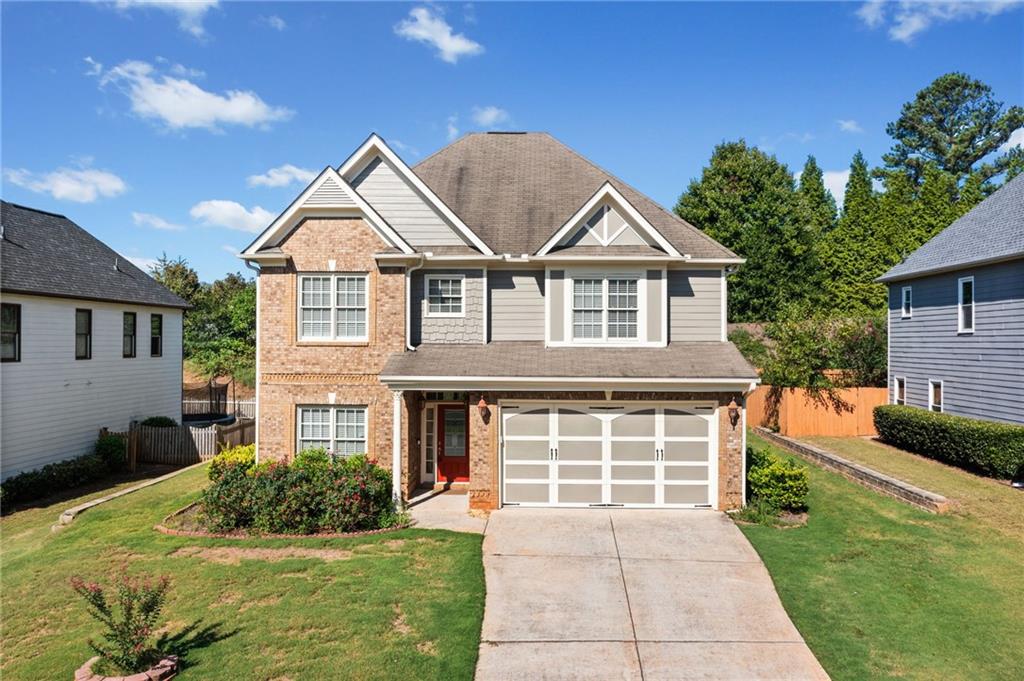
(935, 395)
(339, 430)
(965, 305)
(605, 308)
(445, 295)
(900, 390)
(907, 310)
(333, 307)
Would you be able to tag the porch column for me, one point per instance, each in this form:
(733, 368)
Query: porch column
(396, 446)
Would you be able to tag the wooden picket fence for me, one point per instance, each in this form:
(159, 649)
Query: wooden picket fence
(183, 445)
(241, 408)
(796, 412)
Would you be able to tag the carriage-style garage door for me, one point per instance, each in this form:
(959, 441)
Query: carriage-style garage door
(636, 454)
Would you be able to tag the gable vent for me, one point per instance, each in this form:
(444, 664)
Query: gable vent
(330, 193)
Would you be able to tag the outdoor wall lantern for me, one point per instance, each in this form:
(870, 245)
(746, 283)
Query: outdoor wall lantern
(734, 412)
(482, 406)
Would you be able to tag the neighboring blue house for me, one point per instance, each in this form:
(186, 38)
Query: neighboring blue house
(956, 315)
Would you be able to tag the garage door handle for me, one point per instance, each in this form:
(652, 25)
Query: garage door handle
(556, 453)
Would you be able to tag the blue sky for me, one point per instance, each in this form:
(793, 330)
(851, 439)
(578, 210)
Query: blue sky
(186, 127)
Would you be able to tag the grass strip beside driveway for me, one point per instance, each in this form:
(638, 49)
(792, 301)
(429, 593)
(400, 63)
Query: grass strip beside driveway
(882, 590)
(407, 604)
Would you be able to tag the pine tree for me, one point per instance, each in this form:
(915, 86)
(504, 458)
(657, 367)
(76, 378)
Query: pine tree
(746, 200)
(817, 205)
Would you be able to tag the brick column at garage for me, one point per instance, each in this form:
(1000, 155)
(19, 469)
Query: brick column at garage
(483, 452)
(730, 458)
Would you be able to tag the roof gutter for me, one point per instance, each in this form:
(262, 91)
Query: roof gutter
(885, 278)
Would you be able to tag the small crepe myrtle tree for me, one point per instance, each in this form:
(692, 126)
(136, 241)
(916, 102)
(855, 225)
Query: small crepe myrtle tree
(129, 610)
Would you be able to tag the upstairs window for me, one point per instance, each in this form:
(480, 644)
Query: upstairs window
(965, 305)
(128, 335)
(935, 395)
(83, 334)
(156, 335)
(445, 296)
(900, 390)
(605, 309)
(908, 304)
(333, 307)
(10, 332)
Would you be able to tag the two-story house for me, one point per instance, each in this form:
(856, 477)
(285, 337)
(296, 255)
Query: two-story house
(504, 316)
(956, 315)
(87, 341)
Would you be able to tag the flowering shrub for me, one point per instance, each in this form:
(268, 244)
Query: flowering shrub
(245, 455)
(314, 493)
(130, 616)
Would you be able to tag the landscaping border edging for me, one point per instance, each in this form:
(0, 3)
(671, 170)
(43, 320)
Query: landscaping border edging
(862, 475)
(69, 514)
(163, 529)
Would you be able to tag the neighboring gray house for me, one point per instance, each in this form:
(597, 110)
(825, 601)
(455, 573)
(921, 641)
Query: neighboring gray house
(956, 315)
(87, 340)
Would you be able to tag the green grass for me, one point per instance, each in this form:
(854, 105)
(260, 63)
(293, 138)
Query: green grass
(406, 604)
(882, 590)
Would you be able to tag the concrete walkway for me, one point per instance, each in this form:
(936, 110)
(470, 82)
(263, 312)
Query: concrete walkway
(631, 594)
(445, 511)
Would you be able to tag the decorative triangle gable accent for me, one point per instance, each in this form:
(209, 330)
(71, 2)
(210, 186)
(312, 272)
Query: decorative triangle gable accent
(606, 227)
(330, 193)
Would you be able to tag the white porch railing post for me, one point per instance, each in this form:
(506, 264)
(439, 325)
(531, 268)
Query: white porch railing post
(396, 446)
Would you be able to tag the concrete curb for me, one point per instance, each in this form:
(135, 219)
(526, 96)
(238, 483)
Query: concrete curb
(70, 514)
(862, 475)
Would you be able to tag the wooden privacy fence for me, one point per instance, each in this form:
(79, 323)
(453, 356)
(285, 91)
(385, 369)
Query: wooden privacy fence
(183, 445)
(246, 408)
(795, 412)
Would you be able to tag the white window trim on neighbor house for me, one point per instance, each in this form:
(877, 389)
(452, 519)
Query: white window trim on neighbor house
(899, 386)
(302, 414)
(430, 311)
(907, 302)
(960, 326)
(931, 395)
(333, 336)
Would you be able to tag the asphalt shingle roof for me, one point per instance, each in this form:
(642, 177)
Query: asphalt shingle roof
(522, 358)
(516, 189)
(47, 254)
(992, 230)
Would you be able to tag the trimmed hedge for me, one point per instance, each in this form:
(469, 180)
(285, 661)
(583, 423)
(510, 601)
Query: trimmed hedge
(776, 483)
(108, 457)
(993, 449)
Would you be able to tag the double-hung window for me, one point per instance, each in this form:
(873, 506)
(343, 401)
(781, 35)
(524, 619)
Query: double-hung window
(605, 308)
(907, 301)
(156, 335)
(339, 430)
(128, 335)
(965, 305)
(83, 334)
(10, 332)
(445, 295)
(333, 307)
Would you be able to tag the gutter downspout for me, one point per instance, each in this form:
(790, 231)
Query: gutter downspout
(408, 301)
(257, 429)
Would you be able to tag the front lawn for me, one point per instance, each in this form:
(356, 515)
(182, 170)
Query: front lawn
(881, 590)
(406, 604)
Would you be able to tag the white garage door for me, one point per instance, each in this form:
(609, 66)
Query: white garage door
(639, 455)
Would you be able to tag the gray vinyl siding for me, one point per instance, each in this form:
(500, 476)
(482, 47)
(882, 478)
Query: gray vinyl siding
(556, 284)
(516, 305)
(654, 304)
(403, 207)
(694, 305)
(466, 329)
(982, 372)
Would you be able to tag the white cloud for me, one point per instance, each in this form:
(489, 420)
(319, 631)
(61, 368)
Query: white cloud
(179, 103)
(430, 28)
(144, 264)
(835, 181)
(452, 127)
(907, 19)
(190, 13)
(273, 21)
(155, 221)
(227, 248)
(849, 125)
(1016, 140)
(490, 116)
(83, 185)
(405, 148)
(282, 176)
(95, 68)
(231, 215)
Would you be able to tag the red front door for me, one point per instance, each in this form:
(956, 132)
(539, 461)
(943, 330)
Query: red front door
(452, 443)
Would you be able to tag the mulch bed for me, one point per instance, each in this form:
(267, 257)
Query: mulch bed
(185, 523)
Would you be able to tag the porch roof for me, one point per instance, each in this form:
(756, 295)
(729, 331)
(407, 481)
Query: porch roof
(687, 365)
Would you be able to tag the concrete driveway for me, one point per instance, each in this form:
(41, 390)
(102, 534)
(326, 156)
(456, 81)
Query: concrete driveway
(631, 594)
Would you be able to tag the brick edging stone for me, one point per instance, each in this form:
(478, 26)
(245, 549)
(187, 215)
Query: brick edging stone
(862, 475)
